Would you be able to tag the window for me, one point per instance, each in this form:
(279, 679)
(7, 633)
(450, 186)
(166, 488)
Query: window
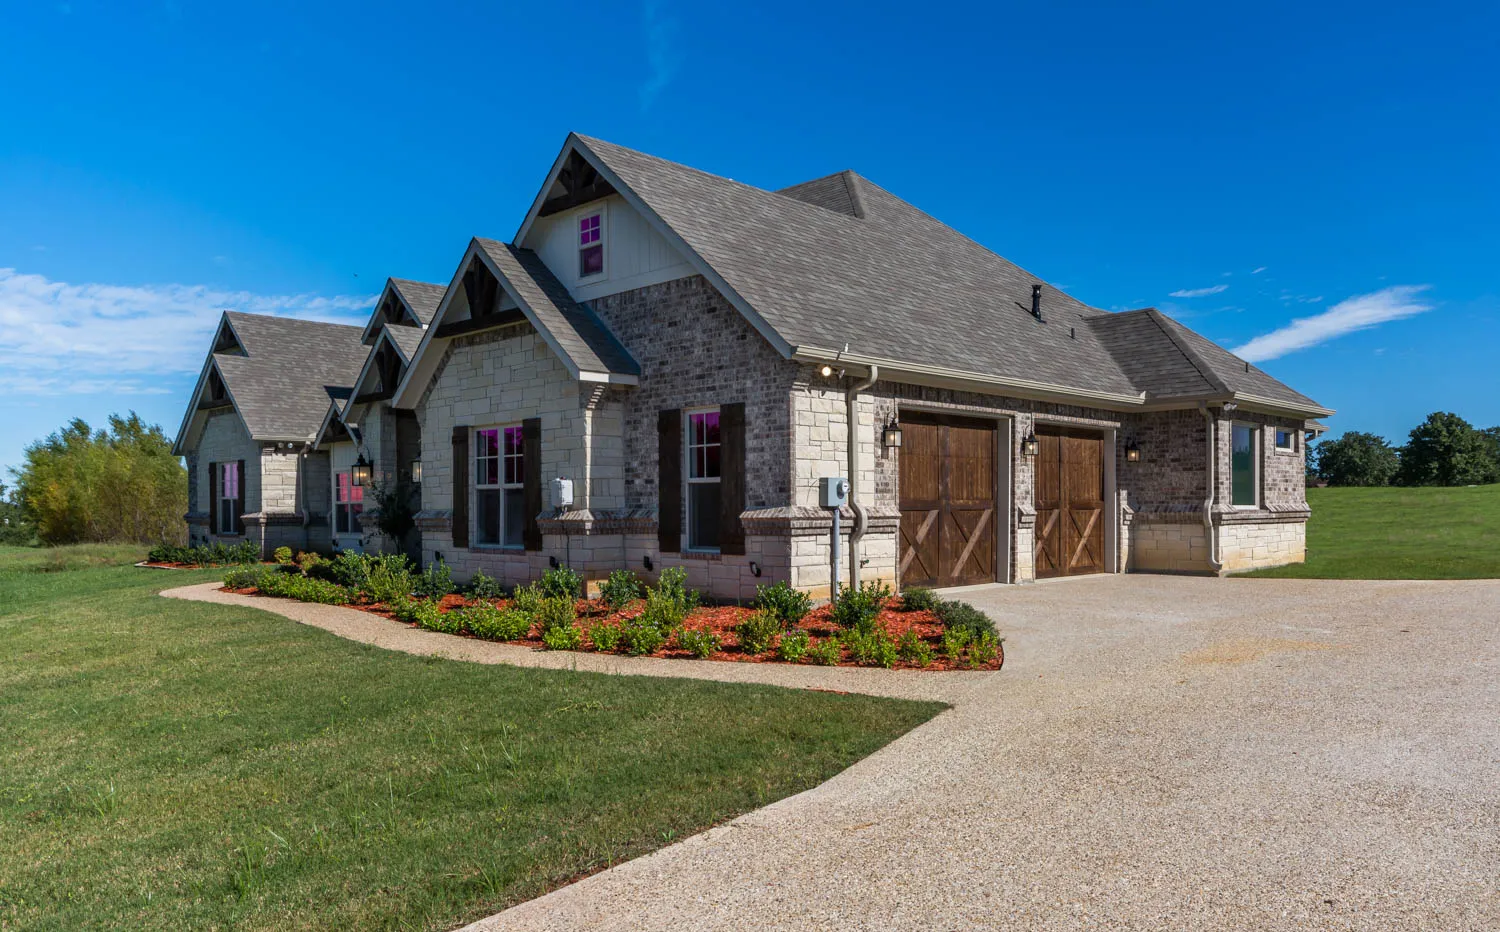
(1286, 440)
(229, 497)
(703, 479)
(590, 245)
(348, 502)
(499, 487)
(1242, 466)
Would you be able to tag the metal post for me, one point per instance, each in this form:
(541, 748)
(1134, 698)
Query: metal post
(833, 591)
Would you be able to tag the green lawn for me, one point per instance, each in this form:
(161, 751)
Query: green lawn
(1396, 533)
(168, 764)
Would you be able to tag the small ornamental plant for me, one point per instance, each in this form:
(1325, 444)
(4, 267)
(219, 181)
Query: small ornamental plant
(857, 609)
(434, 582)
(605, 636)
(555, 612)
(483, 587)
(954, 642)
(699, 642)
(793, 646)
(826, 652)
(757, 632)
(781, 600)
(560, 582)
(282, 555)
(919, 599)
(984, 650)
(563, 637)
(620, 589)
(914, 650)
(965, 617)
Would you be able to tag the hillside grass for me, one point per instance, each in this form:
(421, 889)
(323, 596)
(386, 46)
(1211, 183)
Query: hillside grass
(176, 765)
(1400, 533)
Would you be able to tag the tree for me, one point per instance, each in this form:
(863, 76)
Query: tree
(1445, 449)
(123, 484)
(14, 528)
(1491, 437)
(1357, 459)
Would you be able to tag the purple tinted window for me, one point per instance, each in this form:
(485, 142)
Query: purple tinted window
(515, 471)
(703, 445)
(588, 230)
(590, 261)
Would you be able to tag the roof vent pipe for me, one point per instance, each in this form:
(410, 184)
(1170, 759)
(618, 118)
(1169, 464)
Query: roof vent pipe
(1036, 301)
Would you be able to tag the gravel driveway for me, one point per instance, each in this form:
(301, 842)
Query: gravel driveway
(1159, 753)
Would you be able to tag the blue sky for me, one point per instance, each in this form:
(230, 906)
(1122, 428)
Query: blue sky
(1242, 167)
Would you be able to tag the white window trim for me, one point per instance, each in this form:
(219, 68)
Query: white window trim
(603, 212)
(502, 487)
(1292, 433)
(1257, 446)
(687, 473)
(219, 529)
(352, 532)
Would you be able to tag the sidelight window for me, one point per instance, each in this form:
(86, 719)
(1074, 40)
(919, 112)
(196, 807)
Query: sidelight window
(1244, 467)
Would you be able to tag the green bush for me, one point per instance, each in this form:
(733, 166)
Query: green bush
(243, 578)
(528, 599)
(299, 587)
(434, 582)
(671, 586)
(484, 620)
(282, 555)
(954, 642)
(757, 631)
(388, 579)
(644, 635)
(483, 587)
(563, 637)
(793, 646)
(620, 589)
(913, 649)
(216, 554)
(555, 612)
(560, 582)
(966, 617)
(664, 611)
(308, 562)
(874, 647)
(857, 609)
(787, 604)
(605, 636)
(919, 599)
(441, 621)
(700, 642)
(422, 612)
(350, 569)
(984, 650)
(827, 652)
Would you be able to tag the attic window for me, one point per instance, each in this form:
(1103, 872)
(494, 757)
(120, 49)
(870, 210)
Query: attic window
(590, 245)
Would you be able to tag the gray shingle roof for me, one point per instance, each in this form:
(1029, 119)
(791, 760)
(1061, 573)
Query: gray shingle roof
(291, 371)
(579, 333)
(407, 339)
(422, 297)
(899, 285)
(1239, 375)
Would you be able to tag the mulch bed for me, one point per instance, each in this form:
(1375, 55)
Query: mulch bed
(195, 566)
(721, 620)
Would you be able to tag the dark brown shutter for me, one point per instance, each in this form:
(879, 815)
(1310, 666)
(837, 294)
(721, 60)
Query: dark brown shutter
(669, 480)
(461, 487)
(531, 481)
(213, 498)
(731, 477)
(239, 502)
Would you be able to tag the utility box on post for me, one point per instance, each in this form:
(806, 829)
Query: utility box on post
(562, 493)
(833, 493)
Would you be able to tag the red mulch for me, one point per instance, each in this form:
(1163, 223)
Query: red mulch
(721, 620)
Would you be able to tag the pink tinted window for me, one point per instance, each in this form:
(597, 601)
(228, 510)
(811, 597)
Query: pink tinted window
(487, 456)
(343, 486)
(515, 462)
(703, 445)
(231, 487)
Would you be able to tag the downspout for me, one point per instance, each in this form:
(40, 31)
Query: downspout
(861, 517)
(1208, 503)
(302, 496)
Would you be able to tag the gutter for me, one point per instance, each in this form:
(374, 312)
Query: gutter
(1208, 503)
(861, 517)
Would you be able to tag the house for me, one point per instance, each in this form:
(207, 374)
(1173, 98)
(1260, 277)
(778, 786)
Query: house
(662, 365)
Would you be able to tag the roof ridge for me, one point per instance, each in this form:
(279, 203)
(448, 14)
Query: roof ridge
(856, 199)
(282, 318)
(1188, 352)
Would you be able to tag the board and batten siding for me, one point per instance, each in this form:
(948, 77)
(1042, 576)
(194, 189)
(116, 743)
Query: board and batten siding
(635, 255)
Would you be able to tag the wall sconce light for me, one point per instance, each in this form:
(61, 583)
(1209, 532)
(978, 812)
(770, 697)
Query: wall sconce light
(826, 371)
(891, 436)
(1132, 453)
(360, 474)
(1029, 446)
(754, 569)
(646, 562)
(416, 472)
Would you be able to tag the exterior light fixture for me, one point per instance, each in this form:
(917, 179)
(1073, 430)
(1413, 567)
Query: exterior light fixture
(1029, 446)
(826, 371)
(1132, 453)
(360, 473)
(416, 472)
(891, 436)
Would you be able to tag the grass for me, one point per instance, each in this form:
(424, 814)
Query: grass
(172, 764)
(1400, 533)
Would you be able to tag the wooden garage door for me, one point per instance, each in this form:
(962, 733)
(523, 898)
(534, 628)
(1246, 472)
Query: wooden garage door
(948, 492)
(1069, 503)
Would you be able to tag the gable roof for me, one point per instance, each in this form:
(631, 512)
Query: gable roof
(290, 371)
(420, 299)
(840, 262)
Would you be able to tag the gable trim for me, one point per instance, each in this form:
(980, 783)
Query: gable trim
(390, 289)
(209, 365)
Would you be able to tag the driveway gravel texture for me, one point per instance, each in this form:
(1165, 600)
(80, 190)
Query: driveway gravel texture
(1159, 753)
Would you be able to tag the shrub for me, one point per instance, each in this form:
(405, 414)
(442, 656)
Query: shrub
(422, 612)
(560, 582)
(663, 611)
(301, 588)
(350, 569)
(619, 589)
(528, 599)
(826, 652)
(483, 587)
(954, 642)
(793, 646)
(857, 609)
(872, 647)
(913, 649)
(242, 578)
(555, 612)
(787, 604)
(388, 579)
(216, 554)
(484, 620)
(308, 561)
(757, 631)
(605, 636)
(964, 616)
(700, 642)
(563, 637)
(443, 622)
(434, 582)
(282, 555)
(984, 650)
(644, 634)
(671, 586)
(918, 599)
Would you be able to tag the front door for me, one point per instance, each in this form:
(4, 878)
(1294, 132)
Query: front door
(1070, 510)
(948, 495)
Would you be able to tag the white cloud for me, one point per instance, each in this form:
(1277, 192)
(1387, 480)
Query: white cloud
(661, 54)
(1257, 270)
(1357, 313)
(61, 338)
(1199, 292)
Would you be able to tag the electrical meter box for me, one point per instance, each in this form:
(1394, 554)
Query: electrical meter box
(833, 493)
(562, 493)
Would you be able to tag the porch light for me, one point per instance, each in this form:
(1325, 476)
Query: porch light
(416, 472)
(1132, 453)
(891, 436)
(1029, 446)
(360, 473)
(826, 371)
